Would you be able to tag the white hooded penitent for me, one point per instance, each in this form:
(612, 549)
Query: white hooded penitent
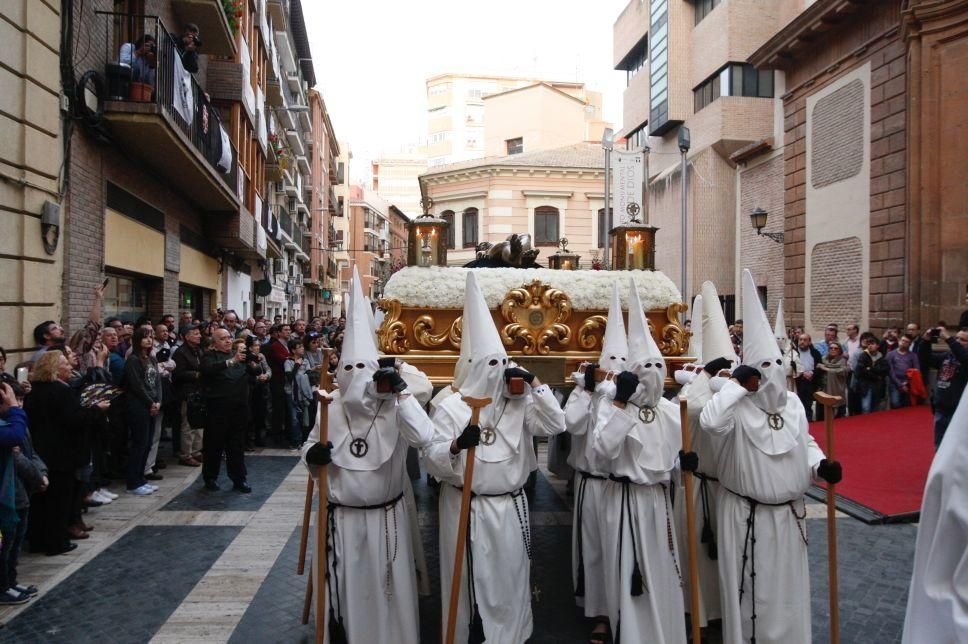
(358, 360)
(645, 358)
(695, 342)
(484, 374)
(779, 329)
(715, 332)
(615, 344)
(761, 352)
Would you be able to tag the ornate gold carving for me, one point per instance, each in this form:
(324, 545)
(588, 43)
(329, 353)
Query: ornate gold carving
(535, 314)
(423, 328)
(675, 339)
(392, 332)
(592, 332)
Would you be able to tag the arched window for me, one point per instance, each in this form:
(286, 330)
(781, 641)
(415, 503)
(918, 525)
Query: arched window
(546, 226)
(448, 216)
(470, 227)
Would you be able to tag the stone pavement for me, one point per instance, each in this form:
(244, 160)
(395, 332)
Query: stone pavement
(185, 565)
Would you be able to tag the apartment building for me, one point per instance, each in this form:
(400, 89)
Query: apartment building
(395, 178)
(322, 279)
(340, 244)
(32, 237)
(455, 112)
(397, 240)
(549, 194)
(685, 62)
(368, 240)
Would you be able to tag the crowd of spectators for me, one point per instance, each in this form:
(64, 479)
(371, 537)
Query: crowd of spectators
(97, 407)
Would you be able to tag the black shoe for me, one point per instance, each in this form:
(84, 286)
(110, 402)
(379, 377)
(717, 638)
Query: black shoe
(62, 550)
(242, 487)
(160, 464)
(153, 477)
(212, 486)
(92, 504)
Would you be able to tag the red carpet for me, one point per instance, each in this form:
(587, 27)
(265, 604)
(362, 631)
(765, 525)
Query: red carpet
(886, 456)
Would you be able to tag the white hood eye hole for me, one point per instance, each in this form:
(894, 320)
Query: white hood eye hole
(613, 358)
(778, 361)
(493, 362)
(348, 367)
(648, 365)
(766, 364)
(359, 365)
(622, 359)
(504, 360)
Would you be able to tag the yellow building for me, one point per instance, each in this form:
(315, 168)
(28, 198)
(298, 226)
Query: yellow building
(31, 153)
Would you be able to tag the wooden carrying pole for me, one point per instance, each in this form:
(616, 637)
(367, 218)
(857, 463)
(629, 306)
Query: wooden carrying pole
(476, 404)
(325, 383)
(831, 403)
(690, 526)
(322, 517)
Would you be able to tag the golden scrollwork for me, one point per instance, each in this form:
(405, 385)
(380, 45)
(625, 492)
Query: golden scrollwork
(536, 313)
(675, 339)
(392, 332)
(591, 332)
(423, 328)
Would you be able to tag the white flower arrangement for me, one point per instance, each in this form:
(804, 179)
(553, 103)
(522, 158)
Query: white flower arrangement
(443, 287)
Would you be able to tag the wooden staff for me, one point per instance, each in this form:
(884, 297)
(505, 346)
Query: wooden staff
(831, 403)
(476, 404)
(322, 517)
(308, 600)
(325, 383)
(690, 525)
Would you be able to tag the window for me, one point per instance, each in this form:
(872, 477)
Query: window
(704, 7)
(515, 146)
(603, 227)
(469, 222)
(448, 216)
(734, 79)
(546, 226)
(125, 297)
(659, 67)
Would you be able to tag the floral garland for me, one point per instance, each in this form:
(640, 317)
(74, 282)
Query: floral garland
(233, 12)
(438, 287)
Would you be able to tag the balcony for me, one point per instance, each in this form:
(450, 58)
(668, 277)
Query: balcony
(212, 24)
(285, 223)
(295, 142)
(278, 11)
(287, 59)
(170, 128)
(303, 163)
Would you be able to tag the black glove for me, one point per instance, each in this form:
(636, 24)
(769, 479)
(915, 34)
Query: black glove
(830, 471)
(743, 373)
(470, 437)
(515, 372)
(590, 377)
(688, 461)
(625, 386)
(387, 362)
(715, 366)
(320, 454)
(390, 375)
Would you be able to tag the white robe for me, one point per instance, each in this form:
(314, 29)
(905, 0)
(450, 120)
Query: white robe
(502, 575)
(646, 453)
(937, 609)
(697, 394)
(771, 466)
(588, 519)
(376, 604)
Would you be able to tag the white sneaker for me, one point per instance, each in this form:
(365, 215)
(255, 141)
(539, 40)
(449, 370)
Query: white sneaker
(144, 490)
(99, 496)
(153, 488)
(110, 495)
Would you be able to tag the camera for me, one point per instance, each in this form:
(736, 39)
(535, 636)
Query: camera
(935, 334)
(381, 377)
(196, 40)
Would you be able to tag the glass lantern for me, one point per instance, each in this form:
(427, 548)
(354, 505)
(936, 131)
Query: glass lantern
(633, 247)
(563, 259)
(427, 239)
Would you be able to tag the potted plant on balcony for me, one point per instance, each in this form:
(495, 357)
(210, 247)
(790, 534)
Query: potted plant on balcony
(233, 13)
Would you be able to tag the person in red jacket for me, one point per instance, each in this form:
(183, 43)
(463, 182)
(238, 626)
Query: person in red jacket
(276, 353)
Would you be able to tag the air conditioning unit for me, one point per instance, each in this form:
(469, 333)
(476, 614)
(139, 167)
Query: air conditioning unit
(278, 267)
(299, 279)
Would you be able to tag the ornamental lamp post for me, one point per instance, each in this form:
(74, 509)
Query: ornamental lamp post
(607, 136)
(684, 144)
(758, 220)
(427, 238)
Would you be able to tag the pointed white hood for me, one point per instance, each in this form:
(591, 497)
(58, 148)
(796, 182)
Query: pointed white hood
(472, 295)
(615, 344)
(484, 374)
(695, 342)
(645, 358)
(715, 332)
(358, 359)
(370, 317)
(760, 350)
(779, 329)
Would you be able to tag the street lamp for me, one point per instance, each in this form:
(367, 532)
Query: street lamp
(684, 143)
(758, 219)
(607, 142)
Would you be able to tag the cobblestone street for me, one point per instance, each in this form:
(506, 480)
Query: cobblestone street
(189, 566)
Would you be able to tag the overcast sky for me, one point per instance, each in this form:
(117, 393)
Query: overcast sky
(372, 58)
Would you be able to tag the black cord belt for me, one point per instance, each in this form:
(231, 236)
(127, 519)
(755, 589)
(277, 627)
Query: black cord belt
(377, 506)
(512, 493)
(588, 475)
(705, 477)
(749, 546)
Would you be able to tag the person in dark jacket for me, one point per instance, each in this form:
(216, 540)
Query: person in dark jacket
(259, 393)
(187, 382)
(58, 427)
(952, 369)
(871, 375)
(809, 379)
(142, 387)
(276, 352)
(225, 383)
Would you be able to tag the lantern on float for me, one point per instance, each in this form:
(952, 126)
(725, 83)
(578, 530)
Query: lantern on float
(563, 259)
(427, 238)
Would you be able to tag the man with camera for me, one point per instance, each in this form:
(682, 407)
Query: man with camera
(188, 47)
(225, 385)
(952, 367)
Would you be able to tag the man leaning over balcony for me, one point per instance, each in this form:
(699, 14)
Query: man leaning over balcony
(188, 47)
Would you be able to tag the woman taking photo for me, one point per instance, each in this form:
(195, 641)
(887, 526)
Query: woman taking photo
(142, 384)
(259, 375)
(58, 426)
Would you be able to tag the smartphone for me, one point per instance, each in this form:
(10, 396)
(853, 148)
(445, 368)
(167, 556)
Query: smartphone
(516, 386)
(21, 374)
(383, 387)
(104, 284)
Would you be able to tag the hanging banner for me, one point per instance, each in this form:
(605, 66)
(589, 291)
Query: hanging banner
(628, 172)
(183, 99)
